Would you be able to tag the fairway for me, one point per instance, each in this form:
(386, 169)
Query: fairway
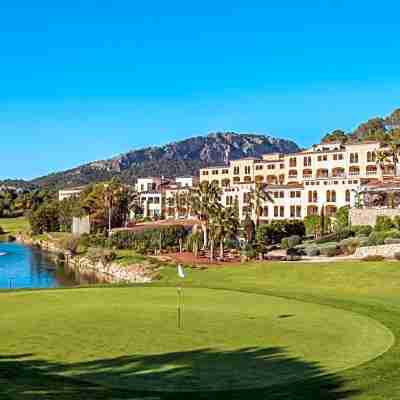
(128, 337)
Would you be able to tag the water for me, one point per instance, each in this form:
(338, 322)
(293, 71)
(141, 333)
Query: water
(25, 267)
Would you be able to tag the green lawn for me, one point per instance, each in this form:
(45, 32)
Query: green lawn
(14, 225)
(259, 331)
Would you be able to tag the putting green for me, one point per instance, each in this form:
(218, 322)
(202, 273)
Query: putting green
(128, 337)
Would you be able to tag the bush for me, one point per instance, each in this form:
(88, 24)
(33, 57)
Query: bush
(312, 251)
(392, 241)
(360, 230)
(148, 240)
(285, 243)
(383, 223)
(373, 258)
(378, 238)
(70, 244)
(274, 232)
(1, 231)
(396, 221)
(327, 238)
(293, 252)
(328, 251)
(349, 246)
(397, 255)
(344, 233)
(104, 256)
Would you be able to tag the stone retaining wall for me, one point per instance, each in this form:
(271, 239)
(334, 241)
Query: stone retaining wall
(367, 216)
(385, 250)
(111, 272)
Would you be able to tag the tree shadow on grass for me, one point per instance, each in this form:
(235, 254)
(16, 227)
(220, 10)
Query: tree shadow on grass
(250, 373)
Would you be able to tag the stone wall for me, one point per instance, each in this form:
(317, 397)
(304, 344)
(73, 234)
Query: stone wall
(111, 272)
(367, 216)
(385, 250)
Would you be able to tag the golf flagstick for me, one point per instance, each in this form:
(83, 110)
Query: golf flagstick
(181, 274)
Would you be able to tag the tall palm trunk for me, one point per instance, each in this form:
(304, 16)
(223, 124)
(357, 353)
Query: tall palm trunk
(221, 249)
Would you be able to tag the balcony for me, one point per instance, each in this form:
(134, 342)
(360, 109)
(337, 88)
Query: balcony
(338, 173)
(371, 170)
(322, 173)
(354, 171)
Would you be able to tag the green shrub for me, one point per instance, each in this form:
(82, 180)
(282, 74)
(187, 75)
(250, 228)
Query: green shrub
(383, 223)
(396, 221)
(285, 243)
(274, 232)
(360, 230)
(344, 233)
(327, 238)
(328, 251)
(168, 237)
(105, 256)
(349, 246)
(378, 238)
(396, 255)
(312, 251)
(373, 258)
(392, 241)
(70, 243)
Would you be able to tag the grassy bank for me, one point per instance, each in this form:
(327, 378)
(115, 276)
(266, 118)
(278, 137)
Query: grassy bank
(273, 324)
(13, 226)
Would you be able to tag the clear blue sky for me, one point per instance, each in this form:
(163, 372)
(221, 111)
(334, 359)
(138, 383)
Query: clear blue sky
(84, 80)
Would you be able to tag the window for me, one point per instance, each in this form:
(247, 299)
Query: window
(156, 200)
(204, 173)
(276, 211)
(246, 197)
(281, 166)
(348, 196)
(335, 157)
(292, 162)
(328, 195)
(281, 179)
(225, 171)
(310, 196)
(281, 195)
(259, 167)
(236, 179)
(293, 173)
(298, 195)
(271, 166)
(281, 211)
(371, 156)
(333, 196)
(236, 170)
(215, 172)
(247, 169)
(315, 196)
(307, 161)
(229, 200)
(340, 157)
(247, 179)
(298, 211)
(353, 158)
(265, 211)
(319, 158)
(276, 195)
(292, 211)
(292, 195)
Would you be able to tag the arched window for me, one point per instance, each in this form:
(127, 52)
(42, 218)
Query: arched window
(328, 195)
(348, 196)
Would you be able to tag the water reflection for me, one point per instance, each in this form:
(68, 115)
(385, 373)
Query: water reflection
(25, 267)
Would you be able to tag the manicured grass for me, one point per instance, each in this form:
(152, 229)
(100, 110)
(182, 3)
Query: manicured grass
(14, 225)
(271, 325)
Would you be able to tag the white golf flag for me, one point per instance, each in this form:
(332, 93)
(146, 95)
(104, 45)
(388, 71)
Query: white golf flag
(181, 272)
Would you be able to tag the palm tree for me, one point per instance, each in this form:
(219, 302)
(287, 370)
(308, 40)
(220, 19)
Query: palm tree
(257, 197)
(391, 150)
(226, 225)
(204, 202)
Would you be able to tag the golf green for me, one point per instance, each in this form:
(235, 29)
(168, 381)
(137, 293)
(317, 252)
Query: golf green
(128, 337)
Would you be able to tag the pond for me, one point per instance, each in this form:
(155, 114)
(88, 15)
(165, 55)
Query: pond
(26, 267)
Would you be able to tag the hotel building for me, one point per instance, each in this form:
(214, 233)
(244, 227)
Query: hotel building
(326, 175)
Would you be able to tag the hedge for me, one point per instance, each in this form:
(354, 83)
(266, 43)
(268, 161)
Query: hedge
(149, 239)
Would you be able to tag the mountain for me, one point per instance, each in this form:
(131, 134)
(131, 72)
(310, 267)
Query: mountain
(185, 157)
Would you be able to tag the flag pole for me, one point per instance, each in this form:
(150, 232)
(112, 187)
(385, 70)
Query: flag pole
(180, 309)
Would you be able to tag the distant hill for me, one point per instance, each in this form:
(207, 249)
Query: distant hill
(185, 157)
(372, 129)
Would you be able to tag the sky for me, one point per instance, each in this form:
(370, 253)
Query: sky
(86, 80)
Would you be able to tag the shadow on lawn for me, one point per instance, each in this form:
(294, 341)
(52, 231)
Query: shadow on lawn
(251, 373)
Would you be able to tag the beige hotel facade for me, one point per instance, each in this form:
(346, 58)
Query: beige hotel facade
(326, 175)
